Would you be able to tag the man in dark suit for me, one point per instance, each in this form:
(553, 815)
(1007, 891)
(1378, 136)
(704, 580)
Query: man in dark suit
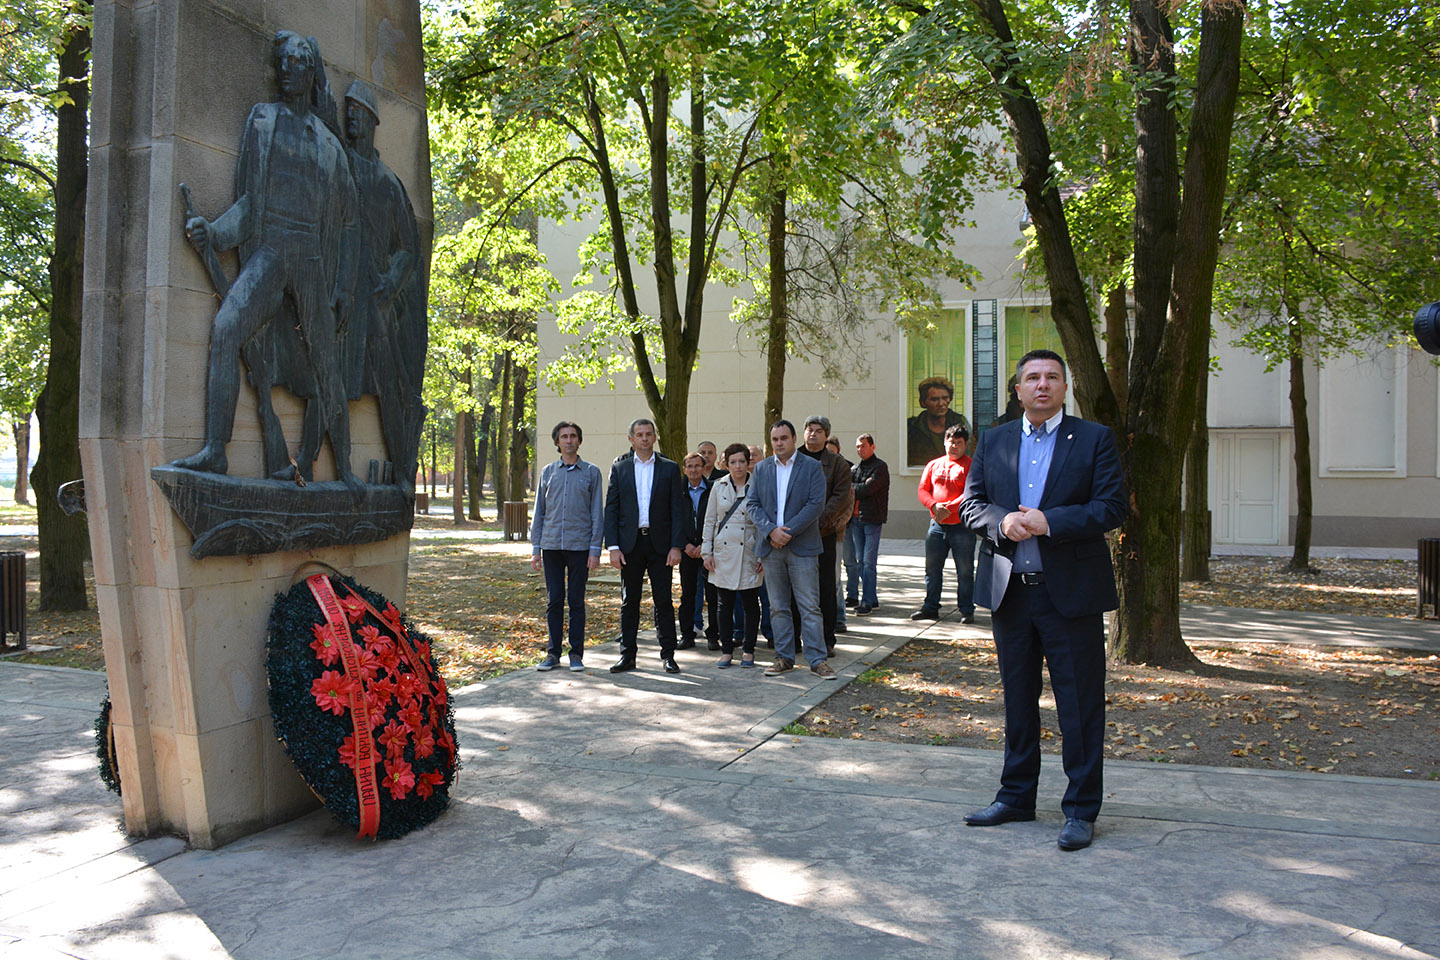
(692, 566)
(645, 531)
(1043, 490)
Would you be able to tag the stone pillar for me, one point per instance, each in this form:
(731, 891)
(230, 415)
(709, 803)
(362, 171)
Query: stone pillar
(185, 639)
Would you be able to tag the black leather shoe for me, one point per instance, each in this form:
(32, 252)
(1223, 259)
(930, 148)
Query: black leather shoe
(670, 665)
(713, 644)
(925, 615)
(686, 644)
(1076, 834)
(967, 618)
(623, 664)
(998, 813)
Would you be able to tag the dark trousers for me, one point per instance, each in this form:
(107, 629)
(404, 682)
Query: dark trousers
(826, 574)
(690, 597)
(560, 565)
(647, 559)
(1029, 630)
(765, 628)
(750, 601)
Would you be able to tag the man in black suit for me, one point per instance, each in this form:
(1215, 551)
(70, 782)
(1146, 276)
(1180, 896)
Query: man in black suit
(645, 530)
(1043, 490)
(692, 565)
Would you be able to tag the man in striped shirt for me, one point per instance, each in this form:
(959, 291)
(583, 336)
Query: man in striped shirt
(566, 536)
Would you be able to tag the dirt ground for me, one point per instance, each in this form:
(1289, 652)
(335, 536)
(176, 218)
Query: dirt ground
(1361, 712)
(1374, 713)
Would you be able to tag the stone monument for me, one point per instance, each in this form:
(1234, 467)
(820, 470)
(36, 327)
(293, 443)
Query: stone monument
(254, 333)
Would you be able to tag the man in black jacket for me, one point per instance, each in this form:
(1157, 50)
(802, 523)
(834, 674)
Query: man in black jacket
(645, 528)
(839, 502)
(870, 479)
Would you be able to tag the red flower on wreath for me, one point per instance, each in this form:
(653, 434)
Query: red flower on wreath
(424, 742)
(447, 743)
(331, 691)
(368, 664)
(382, 690)
(354, 608)
(412, 717)
(427, 782)
(379, 642)
(399, 777)
(327, 651)
(347, 753)
(394, 738)
(407, 688)
(375, 710)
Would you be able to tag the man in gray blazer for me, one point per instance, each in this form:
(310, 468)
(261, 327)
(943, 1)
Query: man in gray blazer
(785, 500)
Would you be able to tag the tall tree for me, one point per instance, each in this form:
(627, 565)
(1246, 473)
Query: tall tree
(653, 113)
(29, 95)
(1329, 233)
(1177, 211)
(64, 540)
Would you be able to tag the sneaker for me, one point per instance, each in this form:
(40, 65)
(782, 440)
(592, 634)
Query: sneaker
(549, 663)
(576, 665)
(851, 602)
(863, 609)
(781, 665)
(840, 628)
(824, 671)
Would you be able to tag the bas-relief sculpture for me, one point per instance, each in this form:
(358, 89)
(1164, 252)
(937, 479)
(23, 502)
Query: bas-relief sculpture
(329, 303)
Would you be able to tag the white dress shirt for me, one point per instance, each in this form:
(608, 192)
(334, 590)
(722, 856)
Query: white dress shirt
(782, 487)
(644, 481)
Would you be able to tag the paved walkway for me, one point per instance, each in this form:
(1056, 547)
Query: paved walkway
(649, 815)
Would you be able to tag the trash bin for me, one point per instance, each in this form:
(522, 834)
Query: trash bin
(1429, 575)
(12, 599)
(517, 520)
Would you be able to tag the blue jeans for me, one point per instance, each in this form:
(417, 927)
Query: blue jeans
(866, 537)
(560, 564)
(785, 573)
(944, 540)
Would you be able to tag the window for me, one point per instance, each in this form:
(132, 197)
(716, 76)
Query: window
(938, 359)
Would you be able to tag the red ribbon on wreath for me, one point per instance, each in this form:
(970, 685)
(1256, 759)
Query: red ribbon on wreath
(366, 789)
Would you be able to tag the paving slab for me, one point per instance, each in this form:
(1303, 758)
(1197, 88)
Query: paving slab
(650, 815)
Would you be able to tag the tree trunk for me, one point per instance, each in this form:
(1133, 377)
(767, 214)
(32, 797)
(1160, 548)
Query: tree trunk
(473, 477)
(65, 540)
(482, 449)
(502, 449)
(1300, 416)
(457, 489)
(778, 334)
(1195, 542)
(20, 428)
(1117, 346)
(519, 440)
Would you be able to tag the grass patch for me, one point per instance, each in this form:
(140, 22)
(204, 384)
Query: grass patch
(875, 675)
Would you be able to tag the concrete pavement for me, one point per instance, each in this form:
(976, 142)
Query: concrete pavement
(648, 815)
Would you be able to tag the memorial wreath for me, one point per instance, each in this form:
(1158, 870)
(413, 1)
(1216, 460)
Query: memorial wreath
(360, 706)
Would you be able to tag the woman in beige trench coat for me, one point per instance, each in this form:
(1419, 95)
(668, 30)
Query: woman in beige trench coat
(728, 550)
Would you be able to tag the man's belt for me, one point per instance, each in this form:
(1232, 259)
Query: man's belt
(1029, 579)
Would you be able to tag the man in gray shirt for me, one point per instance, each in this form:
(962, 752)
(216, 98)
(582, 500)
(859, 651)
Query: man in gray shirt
(566, 535)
